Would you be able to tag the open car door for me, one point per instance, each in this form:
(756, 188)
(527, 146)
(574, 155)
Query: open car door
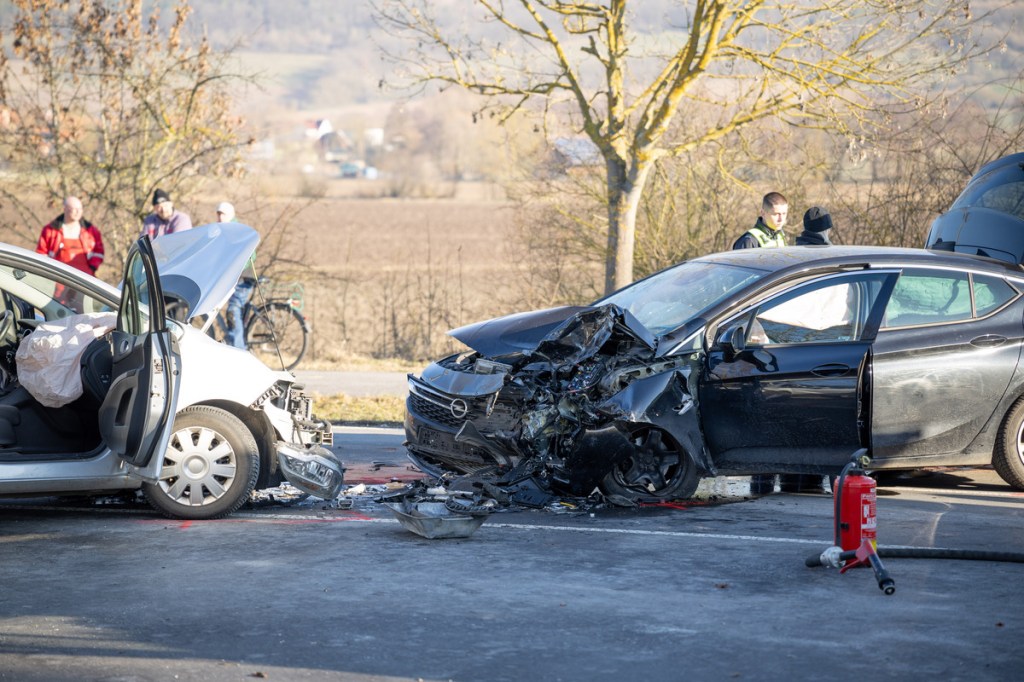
(136, 415)
(785, 380)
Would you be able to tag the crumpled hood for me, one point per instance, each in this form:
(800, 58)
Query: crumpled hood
(562, 335)
(202, 265)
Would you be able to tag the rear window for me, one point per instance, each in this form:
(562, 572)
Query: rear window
(990, 294)
(1001, 190)
(930, 297)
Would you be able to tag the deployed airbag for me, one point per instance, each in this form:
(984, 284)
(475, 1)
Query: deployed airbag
(48, 358)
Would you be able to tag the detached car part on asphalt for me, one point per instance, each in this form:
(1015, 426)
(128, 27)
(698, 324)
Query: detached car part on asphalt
(753, 361)
(196, 424)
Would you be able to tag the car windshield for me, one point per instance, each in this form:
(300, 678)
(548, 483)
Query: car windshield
(669, 299)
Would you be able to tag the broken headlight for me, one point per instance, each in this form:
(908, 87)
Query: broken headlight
(315, 470)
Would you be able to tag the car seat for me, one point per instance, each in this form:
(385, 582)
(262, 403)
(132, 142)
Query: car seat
(28, 426)
(97, 365)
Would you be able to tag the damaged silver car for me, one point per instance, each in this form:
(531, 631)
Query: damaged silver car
(100, 392)
(753, 361)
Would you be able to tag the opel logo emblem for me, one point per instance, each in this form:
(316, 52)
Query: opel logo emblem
(459, 408)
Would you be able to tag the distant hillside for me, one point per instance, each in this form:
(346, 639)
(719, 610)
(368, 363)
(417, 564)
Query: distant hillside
(347, 40)
(334, 44)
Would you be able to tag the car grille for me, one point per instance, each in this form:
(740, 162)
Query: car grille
(441, 448)
(430, 410)
(487, 413)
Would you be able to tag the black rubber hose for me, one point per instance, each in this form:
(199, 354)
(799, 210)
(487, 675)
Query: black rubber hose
(935, 553)
(929, 553)
(885, 582)
(813, 561)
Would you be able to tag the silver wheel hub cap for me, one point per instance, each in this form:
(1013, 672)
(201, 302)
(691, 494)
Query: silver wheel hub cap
(199, 466)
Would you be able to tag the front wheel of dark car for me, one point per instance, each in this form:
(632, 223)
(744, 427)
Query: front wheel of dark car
(1008, 456)
(210, 466)
(657, 469)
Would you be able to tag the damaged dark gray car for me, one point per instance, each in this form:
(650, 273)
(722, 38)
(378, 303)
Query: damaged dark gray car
(754, 361)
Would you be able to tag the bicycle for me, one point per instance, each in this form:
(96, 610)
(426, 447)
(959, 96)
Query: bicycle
(275, 328)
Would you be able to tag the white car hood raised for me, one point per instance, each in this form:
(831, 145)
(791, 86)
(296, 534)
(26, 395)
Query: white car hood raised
(202, 265)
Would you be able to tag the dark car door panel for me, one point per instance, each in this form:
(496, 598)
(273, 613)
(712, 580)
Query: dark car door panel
(793, 397)
(935, 388)
(786, 406)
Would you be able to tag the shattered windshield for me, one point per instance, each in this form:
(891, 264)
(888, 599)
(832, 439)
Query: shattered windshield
(668, 299)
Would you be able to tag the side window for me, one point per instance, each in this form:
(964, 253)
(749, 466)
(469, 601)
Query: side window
(991, 293)
(928, 297)
(834, 311)
(51, 298)
(133, 316)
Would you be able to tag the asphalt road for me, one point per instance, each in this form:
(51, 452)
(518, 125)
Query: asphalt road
(712, 590)
(356, 384)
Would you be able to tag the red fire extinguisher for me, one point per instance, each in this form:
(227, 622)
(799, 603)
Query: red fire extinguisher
(856, 534)
(855, 507)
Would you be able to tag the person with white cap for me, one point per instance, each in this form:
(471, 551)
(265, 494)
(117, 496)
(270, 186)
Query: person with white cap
(225, 212)
(232, 322)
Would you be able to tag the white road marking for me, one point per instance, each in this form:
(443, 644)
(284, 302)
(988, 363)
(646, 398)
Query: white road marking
(538, 527)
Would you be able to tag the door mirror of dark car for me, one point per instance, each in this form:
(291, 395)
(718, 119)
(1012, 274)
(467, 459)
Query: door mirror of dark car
(733, 341)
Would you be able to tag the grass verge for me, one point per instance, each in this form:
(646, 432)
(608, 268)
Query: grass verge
(377, 410)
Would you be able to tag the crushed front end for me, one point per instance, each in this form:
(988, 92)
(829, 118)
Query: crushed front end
(583, 404)
(303, 441)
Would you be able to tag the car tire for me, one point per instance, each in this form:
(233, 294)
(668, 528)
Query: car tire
(1008, 455)
(210, 466)
(658, 470)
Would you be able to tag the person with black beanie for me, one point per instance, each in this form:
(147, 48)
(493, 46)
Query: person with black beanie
(817, 223)
(164, 219)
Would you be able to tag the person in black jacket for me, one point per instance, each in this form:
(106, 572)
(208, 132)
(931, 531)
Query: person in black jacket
(767, 231)
(817, 223)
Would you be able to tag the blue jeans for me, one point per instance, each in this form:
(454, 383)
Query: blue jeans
(231, 321)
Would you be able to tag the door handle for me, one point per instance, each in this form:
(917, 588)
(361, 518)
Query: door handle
(833, 369)
(988, 341)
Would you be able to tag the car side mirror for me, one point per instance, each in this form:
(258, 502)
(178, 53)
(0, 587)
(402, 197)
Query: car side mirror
(733, 341)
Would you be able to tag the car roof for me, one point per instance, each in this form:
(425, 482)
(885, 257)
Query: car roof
(16, 255)
(1010, 160)
(802, 257)
(201, 265)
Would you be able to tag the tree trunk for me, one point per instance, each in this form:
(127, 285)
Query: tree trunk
(624, 192)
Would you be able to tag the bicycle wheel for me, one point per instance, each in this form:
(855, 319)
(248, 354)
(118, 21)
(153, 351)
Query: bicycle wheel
(273, 327)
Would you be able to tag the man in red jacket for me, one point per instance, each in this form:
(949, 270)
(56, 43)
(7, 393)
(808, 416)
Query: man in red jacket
(73, 240)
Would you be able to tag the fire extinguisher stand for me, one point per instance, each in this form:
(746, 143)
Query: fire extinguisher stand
(855, 540)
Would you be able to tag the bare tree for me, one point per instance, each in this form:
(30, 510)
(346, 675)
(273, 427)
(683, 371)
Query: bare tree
(804, 63)
(98, 100)
(918, 170)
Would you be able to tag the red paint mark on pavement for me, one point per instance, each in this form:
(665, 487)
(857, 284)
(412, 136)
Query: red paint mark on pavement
(674, 505)
(182, 525)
